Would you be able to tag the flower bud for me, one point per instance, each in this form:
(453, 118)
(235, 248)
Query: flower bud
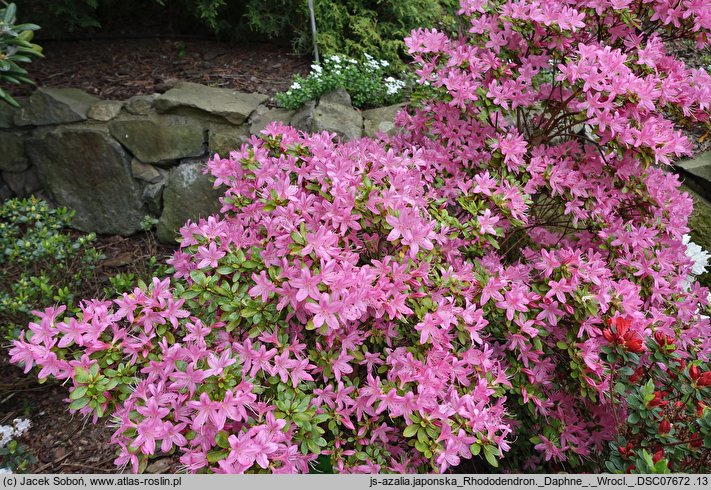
(658, 456)
(664, 427)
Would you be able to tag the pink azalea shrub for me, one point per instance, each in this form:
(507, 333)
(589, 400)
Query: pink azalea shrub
(505, 279)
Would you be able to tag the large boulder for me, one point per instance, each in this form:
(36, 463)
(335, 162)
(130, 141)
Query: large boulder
(335, 114)
(226, 139)
(380, 120)
(304, 118)
(697, 173)
(187, 98)
(7, 113)
(145, 172)
(262, 117)
(188, 195)
(700, 225)
(24, 183)
(86, 170)
(160, 140)
(105, 110)
(12, 152)
(55, 106)
(140, 105)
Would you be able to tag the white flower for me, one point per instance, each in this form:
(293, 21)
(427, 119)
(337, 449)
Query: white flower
(21, 426)
(384, 63)
(316, 68)
(698, 255)
(5, 434)
(295, 86)
(393, 86)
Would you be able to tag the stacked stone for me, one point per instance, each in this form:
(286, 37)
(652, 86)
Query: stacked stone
(114, 162)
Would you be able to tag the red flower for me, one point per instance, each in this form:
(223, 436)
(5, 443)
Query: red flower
(625, 450)
(665, 341)
(633, 343)
(658, 400)
(619, 333)
(694, 372)
(658, 456)
(704, 379)
(664, 427)
(637, 374)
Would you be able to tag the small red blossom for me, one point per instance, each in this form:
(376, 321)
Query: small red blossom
(664, 427)
(619, 333)
(658, 400)
(666, 342)
(658, 456)
(704, 380)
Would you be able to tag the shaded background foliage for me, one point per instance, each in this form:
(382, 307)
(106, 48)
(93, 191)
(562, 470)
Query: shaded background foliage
(351, 27)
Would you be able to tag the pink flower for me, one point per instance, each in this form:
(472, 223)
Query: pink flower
(487, 222)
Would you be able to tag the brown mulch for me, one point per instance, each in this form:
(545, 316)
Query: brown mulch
(118, 69)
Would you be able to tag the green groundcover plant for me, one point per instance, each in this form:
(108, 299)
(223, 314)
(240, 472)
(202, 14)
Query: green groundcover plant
(41, 263)
(366, 83)
(505, 280)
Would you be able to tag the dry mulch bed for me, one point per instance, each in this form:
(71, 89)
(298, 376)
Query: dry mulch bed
(119, 69)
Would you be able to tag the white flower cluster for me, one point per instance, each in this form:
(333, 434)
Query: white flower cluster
(698, 255)
(374, 65)
(393, 85)
(316, 70)
(9, 432)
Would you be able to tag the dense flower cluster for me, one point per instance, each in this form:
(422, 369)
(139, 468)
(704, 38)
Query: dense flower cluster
(505, 278)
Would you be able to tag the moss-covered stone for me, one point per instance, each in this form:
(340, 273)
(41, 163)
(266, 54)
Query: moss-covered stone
(700, 224)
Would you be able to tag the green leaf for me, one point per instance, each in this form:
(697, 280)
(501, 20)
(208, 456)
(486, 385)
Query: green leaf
(490, 455)
(222, 440)
(215, 456)
(78, 404)
(475, 449)
(10, 12)
(410, 430)
(78, 392)
(81, 375)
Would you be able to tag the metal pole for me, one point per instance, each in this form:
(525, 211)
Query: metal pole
(312, 14)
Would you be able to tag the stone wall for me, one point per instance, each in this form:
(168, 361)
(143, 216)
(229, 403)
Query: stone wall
(114, 162)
